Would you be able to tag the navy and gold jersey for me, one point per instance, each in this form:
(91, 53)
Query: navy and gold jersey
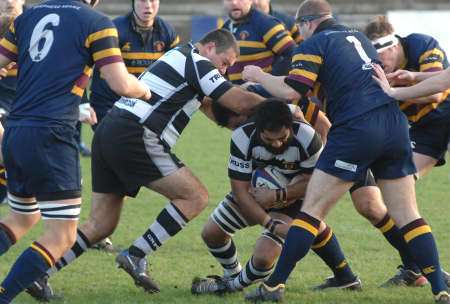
(261, 37)
(55, 44)
(289, 24)
(8, 88)
(424, 54)
(340, 59)
(138, 53)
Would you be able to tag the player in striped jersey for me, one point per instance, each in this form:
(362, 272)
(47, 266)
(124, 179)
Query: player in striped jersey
(43, 41)
(143, 38)
(132, 148)
(292, 148)
(262, 39)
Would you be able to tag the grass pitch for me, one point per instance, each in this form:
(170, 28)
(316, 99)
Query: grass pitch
(204, 148)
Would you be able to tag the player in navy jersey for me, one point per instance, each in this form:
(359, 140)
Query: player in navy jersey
(143, 38)
(341, 59)
(262, 39)
(55, 59)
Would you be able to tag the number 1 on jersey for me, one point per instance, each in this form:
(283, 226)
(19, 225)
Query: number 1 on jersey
(358, 46)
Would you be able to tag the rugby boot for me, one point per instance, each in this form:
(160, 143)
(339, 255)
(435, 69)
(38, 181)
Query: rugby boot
(264, 293)
(41, 290)
(406, 277)
(106, 245)
(137, 268)
(211, 285)
(353, 284)
(442, 298)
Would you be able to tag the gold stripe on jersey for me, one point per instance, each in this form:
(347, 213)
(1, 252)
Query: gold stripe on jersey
(304, 73)
(136, 70)
(150, 56)
(434, 51)
(12, 29)
(277, 28)
(311, 58)
(8, 45)
(77, 91)
(106, 53)
(256, 56)
(282, 43)
(175, 42)
(427, 66)
(12, 73)
(110, 32)
(310, 111)
(423, 111)
(238, 76)
(251, 44)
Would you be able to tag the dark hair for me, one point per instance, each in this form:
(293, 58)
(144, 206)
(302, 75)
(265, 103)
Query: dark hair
(272, 115)
(223, 40)
(222, 114)
(378, 27)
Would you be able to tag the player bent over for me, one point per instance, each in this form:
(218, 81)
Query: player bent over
(293, 149)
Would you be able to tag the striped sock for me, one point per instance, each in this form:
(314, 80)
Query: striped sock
(30, 266)
(249, 275)
(168, 223)
(300, 237)
(422, 247)
(227, 257)
(395, 238)
(327, 247)
(7, 238)
(81, 245)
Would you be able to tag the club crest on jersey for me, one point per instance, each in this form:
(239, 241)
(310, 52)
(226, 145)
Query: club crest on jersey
(159, 46)
(244, 35)
(126, 46)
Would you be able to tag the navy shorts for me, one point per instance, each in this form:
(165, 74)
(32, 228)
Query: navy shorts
(431, 139)
(378, 140)
(42, 162)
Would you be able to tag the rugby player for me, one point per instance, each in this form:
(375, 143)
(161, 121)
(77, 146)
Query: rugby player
(292, 148)
(428, 116)
(132, 148)
(342, 60)
(46, 180)
(262, 39)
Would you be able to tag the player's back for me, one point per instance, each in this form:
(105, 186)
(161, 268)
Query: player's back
(341, 60)
(54, 42)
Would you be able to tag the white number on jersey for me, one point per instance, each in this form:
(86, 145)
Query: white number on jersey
(42, 39)
(362, 54)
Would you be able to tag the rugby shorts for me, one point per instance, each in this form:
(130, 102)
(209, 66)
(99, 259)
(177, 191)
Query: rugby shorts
(378, 140)
(42, 162)
(126, 156)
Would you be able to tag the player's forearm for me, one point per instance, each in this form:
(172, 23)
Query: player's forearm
(428, 99)
(297, 189)
(427, 87)
(421, 76)
(276, 86)
(251, 210)
(132, 88)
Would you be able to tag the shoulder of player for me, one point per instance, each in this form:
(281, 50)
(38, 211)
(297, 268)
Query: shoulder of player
(246, 130)
(284, 18)
(122, 21)
(303, 132)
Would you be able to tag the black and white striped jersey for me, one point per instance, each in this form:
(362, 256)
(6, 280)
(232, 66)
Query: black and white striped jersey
(178, 80)
(247, 152)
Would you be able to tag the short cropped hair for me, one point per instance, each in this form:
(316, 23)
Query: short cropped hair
(378, 27)
(223, 40)
(314, 8)
(272, 115)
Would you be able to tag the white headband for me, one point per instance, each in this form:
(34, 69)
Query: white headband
(385, 42)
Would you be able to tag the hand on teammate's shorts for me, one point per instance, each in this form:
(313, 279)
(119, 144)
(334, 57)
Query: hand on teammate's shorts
(87, 114)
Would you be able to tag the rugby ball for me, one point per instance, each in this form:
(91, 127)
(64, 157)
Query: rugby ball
(269, 177)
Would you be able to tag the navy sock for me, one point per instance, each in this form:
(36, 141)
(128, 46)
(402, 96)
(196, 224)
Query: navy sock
(327, 247)
(299, 239)
(7, 238)
(395, 238)
(30, 266)
(422, 247)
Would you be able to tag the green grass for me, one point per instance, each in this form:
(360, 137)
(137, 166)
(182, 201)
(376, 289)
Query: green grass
(204, 148)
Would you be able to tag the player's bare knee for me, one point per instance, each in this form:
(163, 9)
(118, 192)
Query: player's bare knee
(263, 260)
(199, 200)
(213, 236)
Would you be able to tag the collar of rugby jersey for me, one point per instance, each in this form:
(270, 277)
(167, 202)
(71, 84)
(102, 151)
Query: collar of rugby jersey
(326, 24)
(144, 33)
(404, 45)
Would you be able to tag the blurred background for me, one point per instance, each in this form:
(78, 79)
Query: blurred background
(190, 17)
